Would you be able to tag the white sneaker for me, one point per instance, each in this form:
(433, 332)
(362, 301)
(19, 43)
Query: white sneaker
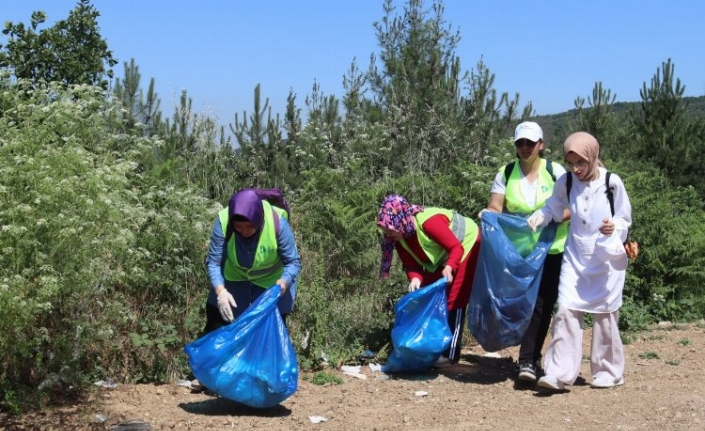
(551, 383)
(442, 361)
(603, 381)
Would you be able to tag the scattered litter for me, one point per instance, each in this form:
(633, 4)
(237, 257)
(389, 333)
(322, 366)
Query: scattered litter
(51, 380)
(132, 425)
(353, 371)
(100, 418)
(492, 355)
(382, 376)
(321, 355)
(375, 367)
(420, 393)
(367, 355)
(106, 384)
(184, 383)
(317, 419)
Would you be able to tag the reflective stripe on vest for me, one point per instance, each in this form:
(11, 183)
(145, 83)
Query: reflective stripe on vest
(267, 267)
(464, 229)
(457, 226)
(514, 203)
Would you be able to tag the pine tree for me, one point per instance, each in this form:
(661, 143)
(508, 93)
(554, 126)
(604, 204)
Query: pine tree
(662, 133)
(140, 109)
(599, 119)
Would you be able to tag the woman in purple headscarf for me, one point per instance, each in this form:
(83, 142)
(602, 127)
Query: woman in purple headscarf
(251, 249)
(432, 243)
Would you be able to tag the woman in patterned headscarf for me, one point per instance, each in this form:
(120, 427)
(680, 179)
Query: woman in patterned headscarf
(593, 270)
(432, 243)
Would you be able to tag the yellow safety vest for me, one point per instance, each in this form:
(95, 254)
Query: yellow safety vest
(514, 203)
(267, 267)
(465, 231)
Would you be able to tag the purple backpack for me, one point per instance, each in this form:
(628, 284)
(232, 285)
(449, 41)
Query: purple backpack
(273, 196)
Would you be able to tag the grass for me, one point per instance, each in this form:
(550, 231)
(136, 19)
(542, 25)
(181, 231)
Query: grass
(323, 378)
(649, 355)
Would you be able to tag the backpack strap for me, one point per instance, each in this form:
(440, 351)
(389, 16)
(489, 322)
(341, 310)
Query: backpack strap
(549, 168)
(608, 192)
(510, 167)
(508, 171)
(276, 221)
(568, 184)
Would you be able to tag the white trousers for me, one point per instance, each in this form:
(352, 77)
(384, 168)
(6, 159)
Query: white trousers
(565, 351)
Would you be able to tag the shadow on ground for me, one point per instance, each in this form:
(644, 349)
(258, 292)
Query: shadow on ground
(483, 370)
(224, 407)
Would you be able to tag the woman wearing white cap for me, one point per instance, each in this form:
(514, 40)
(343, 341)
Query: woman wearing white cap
(520, 188)
(594, 267)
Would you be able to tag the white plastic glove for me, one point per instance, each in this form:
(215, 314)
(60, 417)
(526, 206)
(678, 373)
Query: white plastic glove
(225, 302)
(482, 211)
(414, 284)
(536, 219)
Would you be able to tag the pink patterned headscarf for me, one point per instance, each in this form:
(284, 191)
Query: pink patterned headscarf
(586, 146)
(397, 215)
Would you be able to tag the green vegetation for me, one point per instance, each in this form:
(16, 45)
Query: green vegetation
(324, 378)
(684, 342)
(106, 203)
(649, 355)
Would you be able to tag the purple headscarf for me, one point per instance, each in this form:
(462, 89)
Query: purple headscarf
(246, 203)
(398, 215)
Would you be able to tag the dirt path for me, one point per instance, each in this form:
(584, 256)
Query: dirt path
(664, 390)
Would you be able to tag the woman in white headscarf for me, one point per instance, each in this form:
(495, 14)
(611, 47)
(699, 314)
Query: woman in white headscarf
(593, 269)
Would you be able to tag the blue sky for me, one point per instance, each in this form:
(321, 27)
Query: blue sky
(550, 51)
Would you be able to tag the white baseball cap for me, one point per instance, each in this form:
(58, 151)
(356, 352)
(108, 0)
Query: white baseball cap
(528, 130)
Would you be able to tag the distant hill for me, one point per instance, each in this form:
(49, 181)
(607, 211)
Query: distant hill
(556, 126)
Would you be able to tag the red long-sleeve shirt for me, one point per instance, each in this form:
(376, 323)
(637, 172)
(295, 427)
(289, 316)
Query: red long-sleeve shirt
(437, 228)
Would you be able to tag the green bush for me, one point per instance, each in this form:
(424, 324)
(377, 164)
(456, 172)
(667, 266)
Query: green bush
(666, 281)
(89, 252)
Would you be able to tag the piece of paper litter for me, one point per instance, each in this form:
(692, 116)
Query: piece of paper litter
(317, 419)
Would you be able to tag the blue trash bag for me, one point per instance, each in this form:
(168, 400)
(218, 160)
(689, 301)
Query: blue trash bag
(420, 333)
(252, 360)
(506, 282)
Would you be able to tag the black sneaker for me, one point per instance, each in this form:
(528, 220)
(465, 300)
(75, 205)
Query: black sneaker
(527, 372)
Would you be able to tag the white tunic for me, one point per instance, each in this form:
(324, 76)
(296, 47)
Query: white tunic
(587, 282)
